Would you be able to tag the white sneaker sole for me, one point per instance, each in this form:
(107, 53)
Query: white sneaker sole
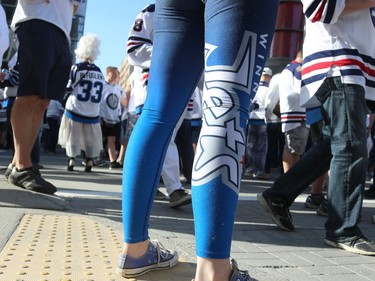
(135, 272)
(347, 248)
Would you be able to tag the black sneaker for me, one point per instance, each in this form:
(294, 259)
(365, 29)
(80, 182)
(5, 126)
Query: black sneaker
(31, 180)
(160, 196)
(8, 171)
(178, 198)
(313, 201)
(360, 245)
(369, 193)
(278, 211)
(115, 165)
(323, 209)
(88, 167)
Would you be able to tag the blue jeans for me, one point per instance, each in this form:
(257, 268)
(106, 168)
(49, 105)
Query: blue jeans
(342, 149)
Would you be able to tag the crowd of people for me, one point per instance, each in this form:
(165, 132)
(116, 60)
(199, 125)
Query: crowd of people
(215, 119)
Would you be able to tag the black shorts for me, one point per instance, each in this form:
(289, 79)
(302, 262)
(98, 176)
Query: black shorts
(45, 60)
(110, 130)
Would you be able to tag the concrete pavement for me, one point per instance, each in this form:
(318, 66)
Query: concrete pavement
(77, 234)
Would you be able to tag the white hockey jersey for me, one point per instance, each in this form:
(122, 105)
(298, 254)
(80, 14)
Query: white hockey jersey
(110, 106)
(87, 83)
(139, 50)
(337, 44)
(257, 115)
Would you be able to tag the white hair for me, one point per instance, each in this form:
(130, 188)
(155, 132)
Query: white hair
(88, 48)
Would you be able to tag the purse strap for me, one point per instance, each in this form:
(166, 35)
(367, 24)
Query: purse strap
(80, 79)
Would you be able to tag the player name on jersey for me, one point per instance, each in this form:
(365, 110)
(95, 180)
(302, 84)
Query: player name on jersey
(92, 75)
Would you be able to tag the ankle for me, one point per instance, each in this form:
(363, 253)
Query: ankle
(135, 250)
(213, 269)
(317, 194)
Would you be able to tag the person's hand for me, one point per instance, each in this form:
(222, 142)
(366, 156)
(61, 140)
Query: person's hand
(255, 105)
(2, 76)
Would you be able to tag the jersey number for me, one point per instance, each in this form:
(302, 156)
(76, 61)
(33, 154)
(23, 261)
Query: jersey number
(138, 24)
(91, 91)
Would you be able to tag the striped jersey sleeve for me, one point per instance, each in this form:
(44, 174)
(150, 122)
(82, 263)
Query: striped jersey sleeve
(325, 11)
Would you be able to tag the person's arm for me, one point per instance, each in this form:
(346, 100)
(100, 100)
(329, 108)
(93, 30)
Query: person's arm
(140, 40)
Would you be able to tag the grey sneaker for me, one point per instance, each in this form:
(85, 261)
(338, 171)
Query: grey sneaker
(278, 211)
(8, 171)
(360, 245)
(239, 275)
(178, 198)
(31, 180)
(156, 258)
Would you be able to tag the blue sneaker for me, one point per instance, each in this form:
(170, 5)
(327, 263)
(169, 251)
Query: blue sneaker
(156, 258)
(239, 275)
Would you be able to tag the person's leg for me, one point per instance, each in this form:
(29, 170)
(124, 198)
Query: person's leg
(170, 172)
(317, 197)
(272, 147)
(130, 123)
(348, 133)
(261, 151)
(238, 35)
(250, 150)
(289, 159)
(25, 130)
(53, 133)
(163, 107)
(35, 153)
(44, 57)
(111, 147)
(314, 163)
(123, 142)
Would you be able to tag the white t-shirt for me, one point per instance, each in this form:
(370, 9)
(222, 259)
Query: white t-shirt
(59, 13)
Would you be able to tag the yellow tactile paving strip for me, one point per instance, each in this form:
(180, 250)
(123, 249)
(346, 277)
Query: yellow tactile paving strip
(70, 248)
(60, 248)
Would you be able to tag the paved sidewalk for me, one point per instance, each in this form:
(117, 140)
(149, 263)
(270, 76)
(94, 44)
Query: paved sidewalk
(77, 234)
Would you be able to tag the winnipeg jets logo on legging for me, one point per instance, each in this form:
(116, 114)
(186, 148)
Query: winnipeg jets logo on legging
(227, 95)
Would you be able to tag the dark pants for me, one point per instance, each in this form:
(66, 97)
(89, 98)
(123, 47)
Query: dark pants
(51, 140)
(275, 148)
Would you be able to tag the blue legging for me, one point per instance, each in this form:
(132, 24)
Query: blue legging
(229, 40)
